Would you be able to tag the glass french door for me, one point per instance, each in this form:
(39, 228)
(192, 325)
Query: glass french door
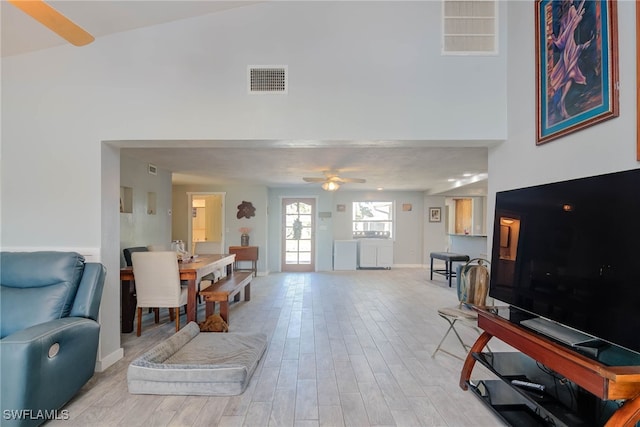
(298, 234)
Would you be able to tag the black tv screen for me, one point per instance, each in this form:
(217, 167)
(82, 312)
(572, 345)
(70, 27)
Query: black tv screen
(570, 252)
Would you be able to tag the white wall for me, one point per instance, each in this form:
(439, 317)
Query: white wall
(109, 346)
(474, 246)
(409, 225)
(324, 227)
(606, 147)
(140, 228)
(435, 233)
(234, 195)
(407, 241)
(376, 74)
(267, 224)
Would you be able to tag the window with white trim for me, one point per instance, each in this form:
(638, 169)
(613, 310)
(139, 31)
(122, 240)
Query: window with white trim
(373, 219)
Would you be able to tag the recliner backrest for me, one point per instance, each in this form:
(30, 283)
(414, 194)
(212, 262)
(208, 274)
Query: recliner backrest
(87, 301)
(37, 287)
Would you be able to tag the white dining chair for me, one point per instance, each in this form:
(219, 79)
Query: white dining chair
(158, 248)
(157, 281)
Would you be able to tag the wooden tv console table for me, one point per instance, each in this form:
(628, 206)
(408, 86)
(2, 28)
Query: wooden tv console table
(603, 382)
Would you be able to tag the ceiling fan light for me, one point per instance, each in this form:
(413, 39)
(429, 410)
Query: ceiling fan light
(330, 186)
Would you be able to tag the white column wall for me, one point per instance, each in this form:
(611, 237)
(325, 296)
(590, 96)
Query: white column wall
(606, 147)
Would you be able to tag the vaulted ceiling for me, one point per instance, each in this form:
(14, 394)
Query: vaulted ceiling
(431, 166)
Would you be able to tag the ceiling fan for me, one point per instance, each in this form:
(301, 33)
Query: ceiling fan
(331, 180)
(54, 20)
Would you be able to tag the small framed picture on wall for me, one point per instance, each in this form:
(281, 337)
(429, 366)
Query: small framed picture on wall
(435, 214)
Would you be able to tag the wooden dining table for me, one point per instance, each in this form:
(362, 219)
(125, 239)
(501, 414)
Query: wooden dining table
(191, 271)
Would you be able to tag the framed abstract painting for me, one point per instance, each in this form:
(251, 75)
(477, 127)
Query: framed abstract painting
(576, 65)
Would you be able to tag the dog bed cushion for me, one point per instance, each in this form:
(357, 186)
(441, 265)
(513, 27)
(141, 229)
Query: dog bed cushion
(195, 363)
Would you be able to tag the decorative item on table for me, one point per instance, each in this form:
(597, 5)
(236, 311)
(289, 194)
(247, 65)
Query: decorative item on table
(244, 237)
(179, 248)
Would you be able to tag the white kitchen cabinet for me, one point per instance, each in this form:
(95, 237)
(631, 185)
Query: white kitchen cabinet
(345, 254)
(375, 253)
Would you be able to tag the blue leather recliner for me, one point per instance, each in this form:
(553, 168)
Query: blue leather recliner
(49, 305)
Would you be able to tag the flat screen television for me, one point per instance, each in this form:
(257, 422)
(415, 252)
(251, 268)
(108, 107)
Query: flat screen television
(569, 252)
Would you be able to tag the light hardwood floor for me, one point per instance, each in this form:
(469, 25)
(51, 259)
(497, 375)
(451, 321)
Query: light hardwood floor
(345, 348)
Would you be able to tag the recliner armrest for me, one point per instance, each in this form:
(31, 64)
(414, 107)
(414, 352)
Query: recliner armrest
(42, 367)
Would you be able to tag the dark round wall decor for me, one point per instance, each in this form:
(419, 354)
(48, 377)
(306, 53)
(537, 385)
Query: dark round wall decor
(246, 210)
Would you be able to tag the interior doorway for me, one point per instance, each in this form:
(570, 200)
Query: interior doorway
(298, 234)
(206, 223)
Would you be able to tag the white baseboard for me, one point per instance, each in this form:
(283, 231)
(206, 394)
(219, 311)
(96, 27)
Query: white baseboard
(408, 266)
(110, 359)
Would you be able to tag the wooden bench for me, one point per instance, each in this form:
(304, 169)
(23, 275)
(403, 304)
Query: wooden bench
(224, 289)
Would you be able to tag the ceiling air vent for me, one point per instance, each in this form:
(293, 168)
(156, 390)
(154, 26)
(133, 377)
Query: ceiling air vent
(267, 79)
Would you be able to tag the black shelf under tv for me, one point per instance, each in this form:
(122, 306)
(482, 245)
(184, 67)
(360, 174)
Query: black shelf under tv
(509, 406)
(578, 390)
(556, 405)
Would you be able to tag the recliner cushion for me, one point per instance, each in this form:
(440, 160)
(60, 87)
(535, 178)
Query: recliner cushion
(37, 287)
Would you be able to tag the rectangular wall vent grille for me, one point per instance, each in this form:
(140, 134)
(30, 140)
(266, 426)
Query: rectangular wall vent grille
(267, 79)
(469, 27)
